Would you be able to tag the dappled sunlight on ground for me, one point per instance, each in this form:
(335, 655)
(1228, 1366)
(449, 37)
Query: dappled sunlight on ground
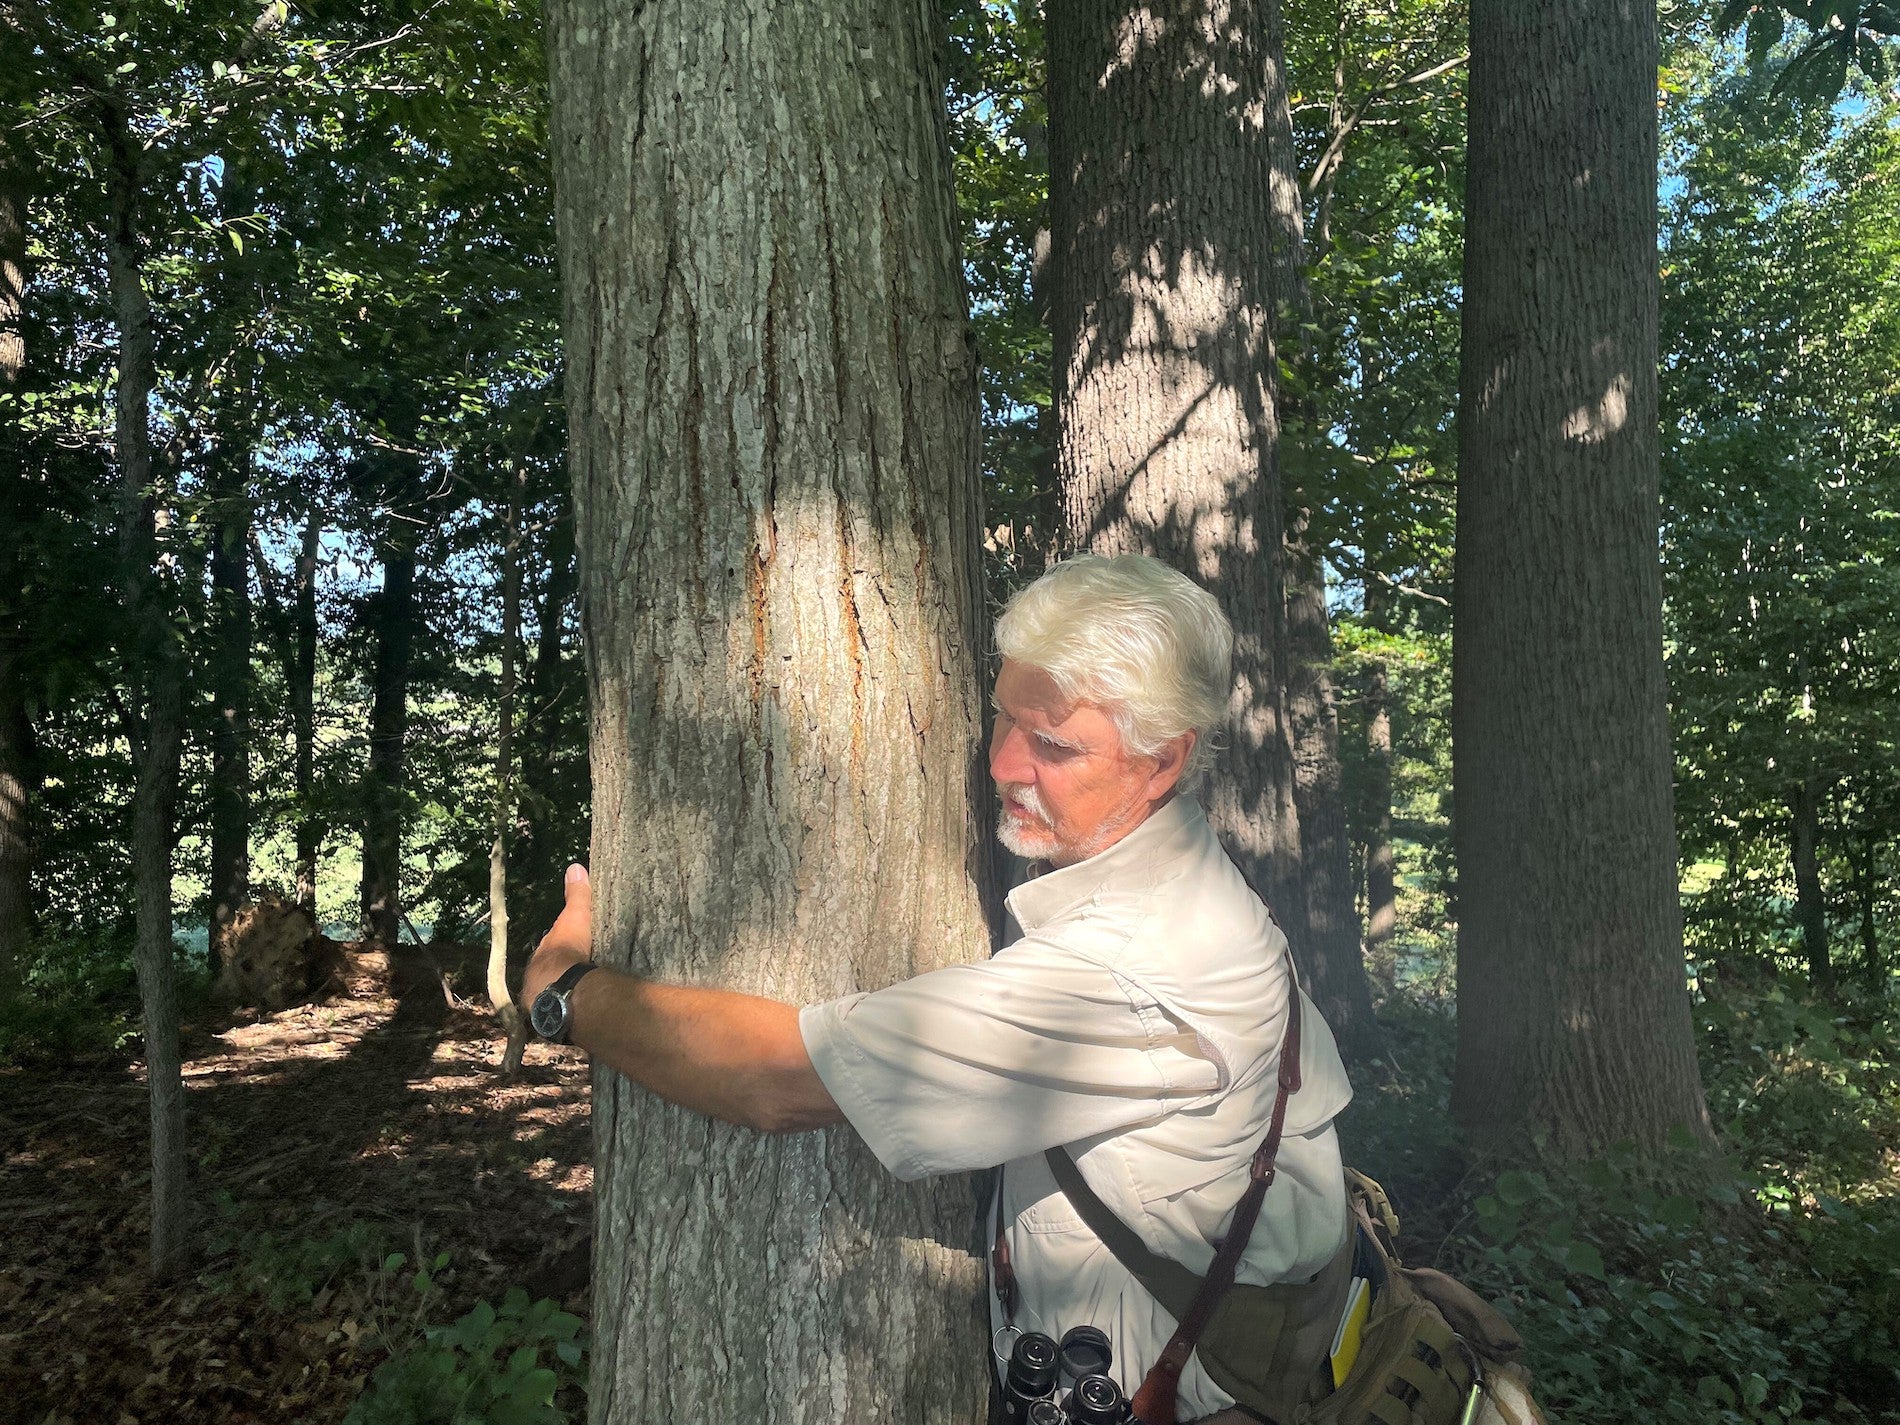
(321, 1139)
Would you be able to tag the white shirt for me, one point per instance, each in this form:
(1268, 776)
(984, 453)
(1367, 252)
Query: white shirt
(1137, 1021)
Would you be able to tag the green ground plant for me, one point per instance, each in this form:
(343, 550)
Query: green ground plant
(1660, 1286)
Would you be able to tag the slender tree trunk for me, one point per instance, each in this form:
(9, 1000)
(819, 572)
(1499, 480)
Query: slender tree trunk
(157, 664)
(1804, 807)
(19, 777)
(506, 1010)
(1161, 286)
(549, 687)
(1330, 952)
(303, 714)
(1382, 908)
(394, 623)
(773, 436)
(1331, 957)
(230, 660)
(1573, 1007)
(1866, 894)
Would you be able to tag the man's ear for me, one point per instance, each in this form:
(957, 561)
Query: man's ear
(1170, 762)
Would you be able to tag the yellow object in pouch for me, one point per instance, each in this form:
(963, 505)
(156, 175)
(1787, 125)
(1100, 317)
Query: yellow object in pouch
(1352, 1325)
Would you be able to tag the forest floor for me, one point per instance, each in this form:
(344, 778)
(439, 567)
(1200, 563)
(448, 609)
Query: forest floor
(323, 1139)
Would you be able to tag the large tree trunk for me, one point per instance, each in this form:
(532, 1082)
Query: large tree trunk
(156, 662)
(499, 995)
(1330, 952)
(1804, 809)
(19, 780)
(303, 714)
(1573, 1008)
(1161, 288)
(230, 659)
(394, 622)
(773, 417)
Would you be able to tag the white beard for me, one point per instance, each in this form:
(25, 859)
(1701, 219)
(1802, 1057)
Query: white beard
(1029, 838)
(1033, 839)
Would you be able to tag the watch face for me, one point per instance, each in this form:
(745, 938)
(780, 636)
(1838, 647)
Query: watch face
(548, 1014)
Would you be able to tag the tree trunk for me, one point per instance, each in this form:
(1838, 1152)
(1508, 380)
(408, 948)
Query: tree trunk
(394, 621)
(156, 663)
(19, 779)
(1804, 807)
(1161, 302)
(506, 1010)
(773, 416)
(548, 688)
(1330, 952)
(1331, 958)
(303, 715)
(1382, 907)
(1573, 1007)
(19, 787)
(230, 790)
(1866, 893)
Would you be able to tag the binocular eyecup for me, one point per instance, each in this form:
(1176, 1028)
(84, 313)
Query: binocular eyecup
(1082, 1360)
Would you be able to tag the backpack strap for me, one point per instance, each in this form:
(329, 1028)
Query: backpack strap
(1189, 1299)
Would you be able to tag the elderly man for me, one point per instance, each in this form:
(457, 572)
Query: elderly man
(1136, 1019)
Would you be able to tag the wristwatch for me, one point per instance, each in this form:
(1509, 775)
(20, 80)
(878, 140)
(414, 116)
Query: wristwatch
(552, 1013)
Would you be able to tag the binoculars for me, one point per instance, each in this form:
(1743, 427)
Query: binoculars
(1039, 1369)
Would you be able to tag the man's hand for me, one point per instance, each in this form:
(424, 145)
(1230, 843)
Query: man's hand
(734, 1056)
(568, 942)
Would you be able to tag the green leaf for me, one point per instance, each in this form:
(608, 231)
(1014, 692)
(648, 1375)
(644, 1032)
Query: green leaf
(1585, 1260)
(1519, 1189)
(1765, 23)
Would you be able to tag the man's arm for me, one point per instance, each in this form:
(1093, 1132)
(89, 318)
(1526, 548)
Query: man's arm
(734, 1056)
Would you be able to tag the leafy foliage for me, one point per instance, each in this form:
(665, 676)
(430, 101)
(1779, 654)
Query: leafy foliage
(497, 1364)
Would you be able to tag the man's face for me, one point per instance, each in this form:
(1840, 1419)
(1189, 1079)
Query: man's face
(1069, 789)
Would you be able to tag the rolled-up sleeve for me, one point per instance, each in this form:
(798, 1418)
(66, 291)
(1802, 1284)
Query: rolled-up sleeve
(974, 1065)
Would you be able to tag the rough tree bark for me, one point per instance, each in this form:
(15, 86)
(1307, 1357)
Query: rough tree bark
(1330, 952)
(394, 621)
(772, 405)
(1804, 817)
(506, 1010)
(155, 662)
(1573, 1008)
(1161, 305)
(303, 714)
(19, 779)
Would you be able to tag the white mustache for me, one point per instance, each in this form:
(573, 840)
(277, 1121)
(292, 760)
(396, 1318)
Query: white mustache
(1026, 799)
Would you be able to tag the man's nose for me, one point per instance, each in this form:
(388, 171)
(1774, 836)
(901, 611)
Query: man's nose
(1009, 757)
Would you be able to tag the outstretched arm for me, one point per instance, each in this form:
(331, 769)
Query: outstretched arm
(733, 1056)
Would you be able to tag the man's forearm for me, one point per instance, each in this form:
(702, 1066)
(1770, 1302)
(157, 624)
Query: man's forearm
(734, 1056)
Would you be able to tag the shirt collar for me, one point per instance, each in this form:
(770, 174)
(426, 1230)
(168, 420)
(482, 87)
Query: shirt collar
(1169, 830)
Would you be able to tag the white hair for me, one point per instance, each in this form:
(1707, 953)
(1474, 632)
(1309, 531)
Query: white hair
(1142, 641)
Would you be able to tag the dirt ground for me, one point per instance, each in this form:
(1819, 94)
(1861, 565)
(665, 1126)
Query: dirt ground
(365, 1120)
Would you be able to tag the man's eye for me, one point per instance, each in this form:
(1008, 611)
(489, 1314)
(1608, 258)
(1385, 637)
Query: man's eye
(1055, 751)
